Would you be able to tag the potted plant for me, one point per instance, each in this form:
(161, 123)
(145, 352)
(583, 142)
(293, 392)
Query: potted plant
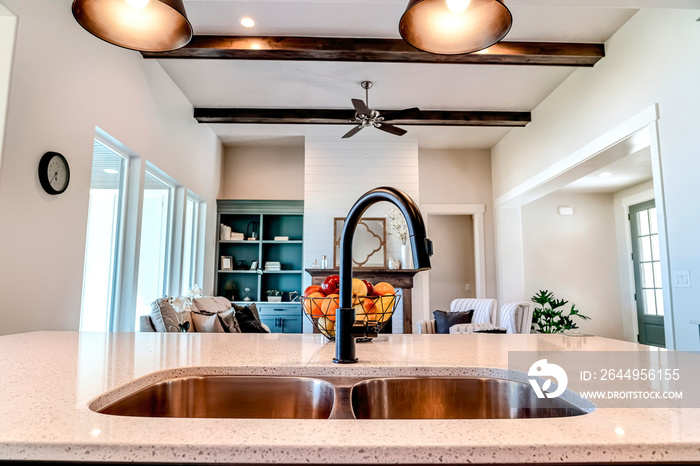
(550, 317)
(274, 296)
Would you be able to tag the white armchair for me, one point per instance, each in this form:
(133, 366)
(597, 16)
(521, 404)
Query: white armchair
(517, 317)
(485, 312)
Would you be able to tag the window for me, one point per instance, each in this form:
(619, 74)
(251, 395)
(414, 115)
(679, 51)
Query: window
(190, 240)
(104, 232)
(155, 242)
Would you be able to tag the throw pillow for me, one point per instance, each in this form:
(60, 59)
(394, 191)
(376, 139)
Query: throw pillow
(204, 323)
(251, 306)
(164, 317)
(248, 322)
(445, 320)
(212, 304)
(229, 321)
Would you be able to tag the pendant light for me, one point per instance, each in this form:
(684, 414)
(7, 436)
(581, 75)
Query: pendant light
(143, 25)
(452, 27)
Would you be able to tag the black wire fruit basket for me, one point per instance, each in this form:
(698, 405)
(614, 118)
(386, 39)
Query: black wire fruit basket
(321, 311)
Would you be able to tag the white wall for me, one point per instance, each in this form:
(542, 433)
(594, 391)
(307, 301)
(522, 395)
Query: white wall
(575, 257)
(453, 263)
(623, 200)
(65, 82)
(263, 172)
(449, 176)
(338, 172)
(654, 58)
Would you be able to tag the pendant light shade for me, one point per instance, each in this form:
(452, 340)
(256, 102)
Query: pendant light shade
(452, 27)
(143, 25)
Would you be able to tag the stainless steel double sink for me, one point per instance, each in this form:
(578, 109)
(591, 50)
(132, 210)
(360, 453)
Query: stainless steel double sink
(273, 397)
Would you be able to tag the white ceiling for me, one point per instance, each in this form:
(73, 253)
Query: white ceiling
(279, 84)
(625, 173)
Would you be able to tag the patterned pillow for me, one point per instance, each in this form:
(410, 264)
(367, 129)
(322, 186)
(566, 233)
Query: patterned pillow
(164, 317)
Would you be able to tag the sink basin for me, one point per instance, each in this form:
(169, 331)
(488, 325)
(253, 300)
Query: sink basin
(229, 397)
(453, 398)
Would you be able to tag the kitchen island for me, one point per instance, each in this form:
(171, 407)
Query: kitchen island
(49, 379)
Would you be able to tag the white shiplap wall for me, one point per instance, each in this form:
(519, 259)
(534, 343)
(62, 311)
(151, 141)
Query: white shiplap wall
(337, 173)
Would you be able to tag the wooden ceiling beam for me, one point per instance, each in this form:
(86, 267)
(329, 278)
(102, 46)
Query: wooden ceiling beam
(345, 117)
(379, 50)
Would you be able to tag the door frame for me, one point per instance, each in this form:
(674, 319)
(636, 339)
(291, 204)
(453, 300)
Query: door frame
(586, 160)
(477, 212)
(8, 37)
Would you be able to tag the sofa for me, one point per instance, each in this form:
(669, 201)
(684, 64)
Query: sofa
(213, 314)
(515, 317)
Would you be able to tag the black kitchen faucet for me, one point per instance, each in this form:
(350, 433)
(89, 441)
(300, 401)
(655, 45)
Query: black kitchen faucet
(347, 329)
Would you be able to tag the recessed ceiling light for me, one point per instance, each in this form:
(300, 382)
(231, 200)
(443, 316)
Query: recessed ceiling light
(605, 175)
(247, 22)
(111, 171)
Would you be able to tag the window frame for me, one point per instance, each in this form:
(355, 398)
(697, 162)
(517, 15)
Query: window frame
(119, 235)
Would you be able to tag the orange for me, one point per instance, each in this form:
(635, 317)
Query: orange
(312, 289)
(312, 304)
(329, 306)
(384, 288)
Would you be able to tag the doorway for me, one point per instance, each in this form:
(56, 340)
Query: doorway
(452, 274)
(640, 130)
(647, 274)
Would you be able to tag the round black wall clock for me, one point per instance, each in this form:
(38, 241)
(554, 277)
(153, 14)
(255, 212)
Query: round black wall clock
(54, 173)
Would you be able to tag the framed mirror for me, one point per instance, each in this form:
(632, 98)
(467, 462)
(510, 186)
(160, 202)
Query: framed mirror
(369, 243)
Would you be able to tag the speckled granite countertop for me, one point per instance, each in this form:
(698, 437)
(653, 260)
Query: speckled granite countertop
(47, 380)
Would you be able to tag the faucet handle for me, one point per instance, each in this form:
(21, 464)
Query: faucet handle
(362, 329)
(428, 246)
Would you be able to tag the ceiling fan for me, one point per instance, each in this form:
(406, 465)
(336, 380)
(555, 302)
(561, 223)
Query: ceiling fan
(365, 116)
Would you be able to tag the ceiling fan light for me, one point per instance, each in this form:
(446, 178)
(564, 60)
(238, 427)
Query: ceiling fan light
(146, 26)
(452, 27)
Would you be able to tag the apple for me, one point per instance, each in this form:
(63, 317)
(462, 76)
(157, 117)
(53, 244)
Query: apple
(384, 307)
(328, 325)
(312, 289)
(330, 285)
(370, 287)
(360, 315)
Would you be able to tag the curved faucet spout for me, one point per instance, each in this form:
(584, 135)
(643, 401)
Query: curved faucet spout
(420, 244)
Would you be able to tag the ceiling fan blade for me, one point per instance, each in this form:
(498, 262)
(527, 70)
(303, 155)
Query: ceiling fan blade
(391, 129)
(353, 131)
(401, 114)
(360, 107)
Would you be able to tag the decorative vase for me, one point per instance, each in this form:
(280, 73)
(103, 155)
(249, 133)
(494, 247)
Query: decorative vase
(405, 259)
(274, 299)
